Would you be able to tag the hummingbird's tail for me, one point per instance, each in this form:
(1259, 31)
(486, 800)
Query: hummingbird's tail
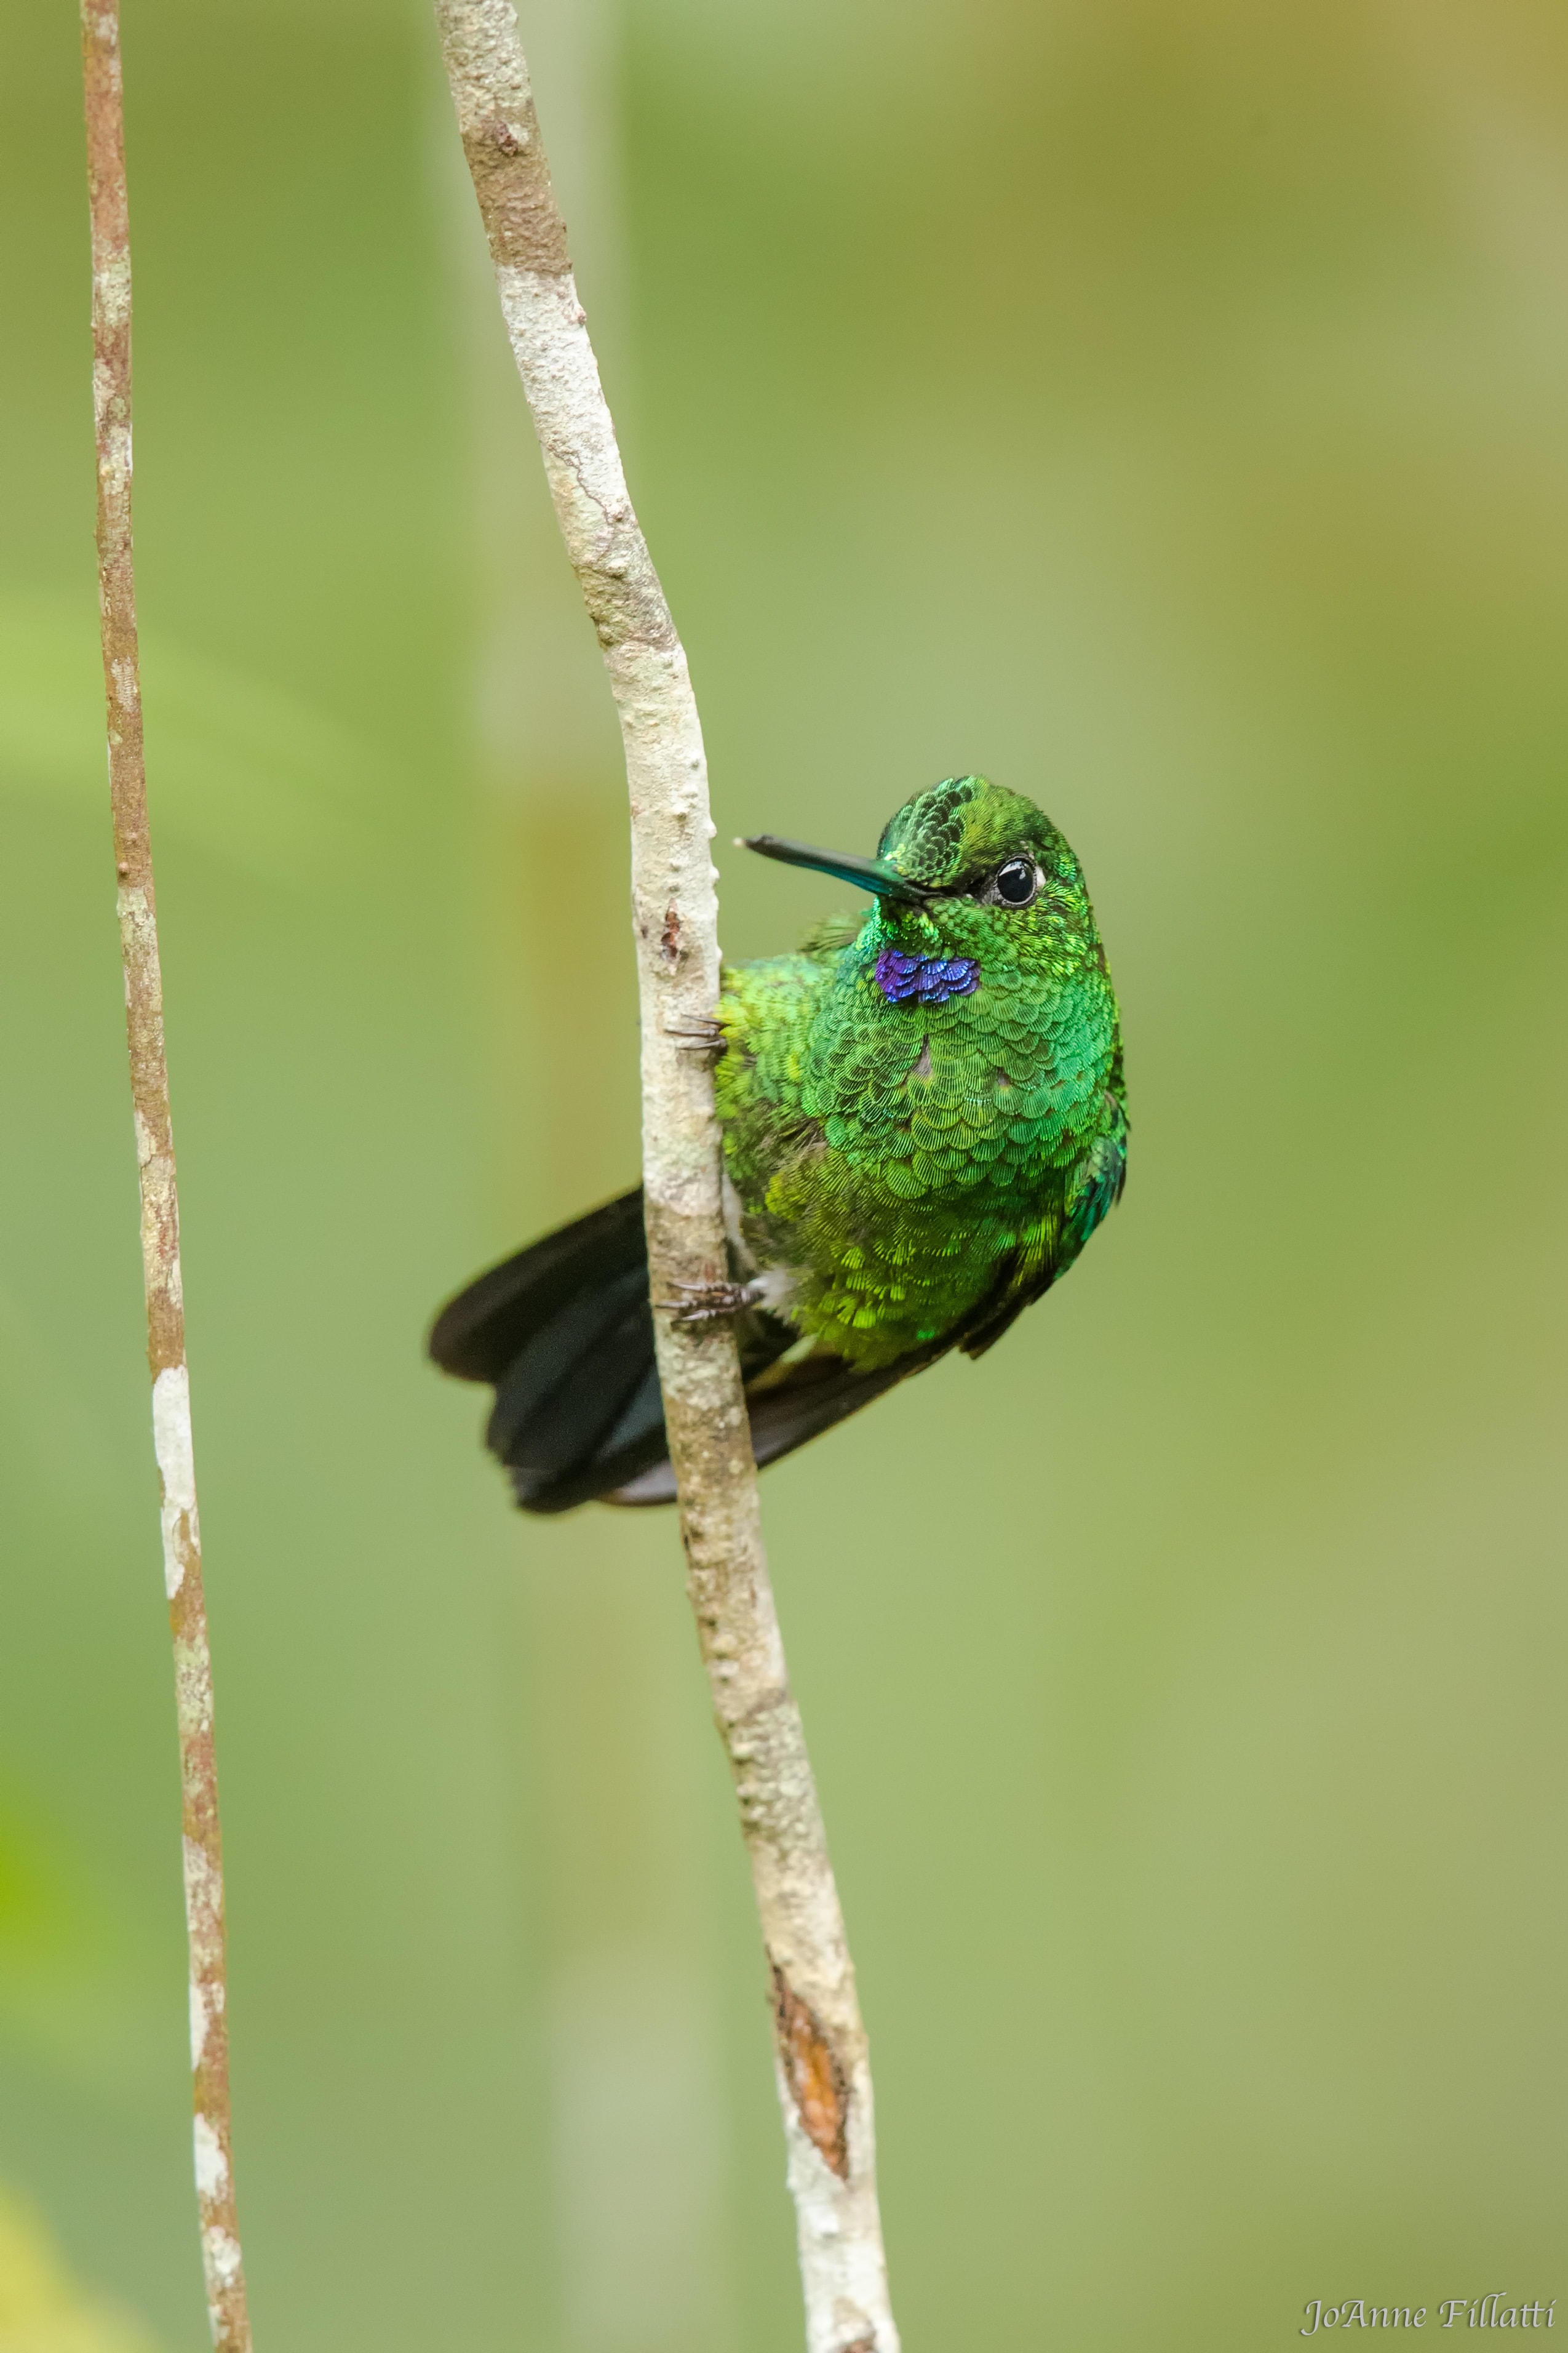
(563, 1334)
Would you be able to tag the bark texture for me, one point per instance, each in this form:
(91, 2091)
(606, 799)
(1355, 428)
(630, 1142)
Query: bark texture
(823, 2064)
(155, 1160)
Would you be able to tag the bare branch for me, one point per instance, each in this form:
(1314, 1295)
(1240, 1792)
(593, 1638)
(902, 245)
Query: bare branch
(155, 1158)
(823, 2070)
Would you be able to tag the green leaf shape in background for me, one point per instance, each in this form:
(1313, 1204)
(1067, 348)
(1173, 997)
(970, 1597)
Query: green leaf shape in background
(42, 2308)
(238, 770)
(75, 1980)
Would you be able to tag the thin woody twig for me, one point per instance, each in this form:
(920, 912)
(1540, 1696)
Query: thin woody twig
(823, 2064)
(155, 1157)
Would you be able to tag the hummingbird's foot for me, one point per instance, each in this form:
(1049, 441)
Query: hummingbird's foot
(699, 1038)
(709, 1301)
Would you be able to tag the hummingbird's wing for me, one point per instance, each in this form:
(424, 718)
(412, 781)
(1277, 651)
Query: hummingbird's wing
(478, 1334)
(788, 1404)
(563, 1332)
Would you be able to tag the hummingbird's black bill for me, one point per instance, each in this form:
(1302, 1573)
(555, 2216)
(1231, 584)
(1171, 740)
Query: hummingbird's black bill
(866, 874)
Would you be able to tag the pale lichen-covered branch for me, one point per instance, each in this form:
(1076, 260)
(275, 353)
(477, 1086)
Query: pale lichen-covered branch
(824, 2072)
(156, 1161)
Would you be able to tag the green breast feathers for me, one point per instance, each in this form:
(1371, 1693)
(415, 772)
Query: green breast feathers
(923, 1125)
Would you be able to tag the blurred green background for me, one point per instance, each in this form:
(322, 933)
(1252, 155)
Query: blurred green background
(1161, 405)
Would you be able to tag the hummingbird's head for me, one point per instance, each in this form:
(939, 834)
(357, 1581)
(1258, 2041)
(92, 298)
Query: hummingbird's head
(968, 871)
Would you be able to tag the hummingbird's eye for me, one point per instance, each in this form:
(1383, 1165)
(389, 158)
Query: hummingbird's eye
(1017, 884)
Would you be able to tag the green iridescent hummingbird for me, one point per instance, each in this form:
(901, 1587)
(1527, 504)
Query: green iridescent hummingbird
(924, 1120)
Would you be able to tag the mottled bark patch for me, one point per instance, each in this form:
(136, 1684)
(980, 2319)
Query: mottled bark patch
(512, 181)
(815, 2080)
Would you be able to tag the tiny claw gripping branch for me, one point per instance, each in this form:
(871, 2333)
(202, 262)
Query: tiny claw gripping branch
(155, 1160)
(699, 1038)
(712, 1301)
(823, 2061)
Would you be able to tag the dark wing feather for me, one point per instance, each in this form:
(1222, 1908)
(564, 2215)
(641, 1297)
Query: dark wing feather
(547, 1411)
(787, 1405)
(476, 1334)
(563, 1331)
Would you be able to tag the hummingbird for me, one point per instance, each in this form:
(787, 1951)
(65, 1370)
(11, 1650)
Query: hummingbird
(923, 1119)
